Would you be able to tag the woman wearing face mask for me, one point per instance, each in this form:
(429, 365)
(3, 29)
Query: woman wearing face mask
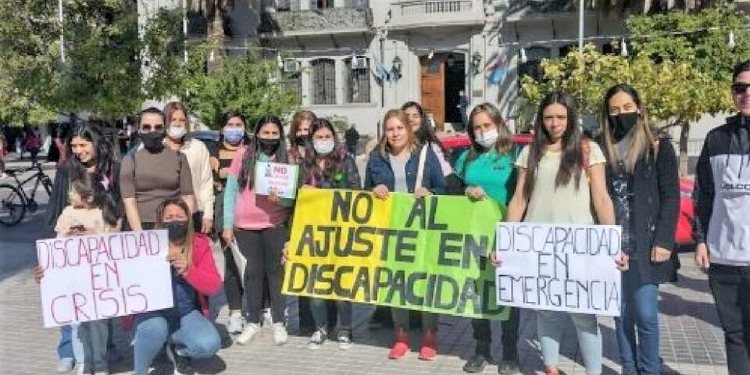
(393, 166)
(328, 165)
(487, 170)
(91, 154)
(182, 330)
(259, 224)
(178, 139)
(560, 178)
(637, 161)
(161, 173)
(298, 135)
(231, 139)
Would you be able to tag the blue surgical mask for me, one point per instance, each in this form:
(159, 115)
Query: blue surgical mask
(233, 135)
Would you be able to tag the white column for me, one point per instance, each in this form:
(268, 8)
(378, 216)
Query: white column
(341, 81)
(339, 3)
(305, 83)
(304, 4)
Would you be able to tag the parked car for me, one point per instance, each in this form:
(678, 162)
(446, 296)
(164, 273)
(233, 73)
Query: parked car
(454, 144)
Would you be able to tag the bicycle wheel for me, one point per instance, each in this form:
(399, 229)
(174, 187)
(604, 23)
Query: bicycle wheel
(12, 205)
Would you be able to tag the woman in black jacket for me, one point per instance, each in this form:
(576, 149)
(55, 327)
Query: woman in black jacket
(639, 162)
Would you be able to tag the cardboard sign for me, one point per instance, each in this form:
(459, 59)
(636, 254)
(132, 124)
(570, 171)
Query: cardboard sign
(103, 276)
(426, 254)
(559, 267)
(281, 178)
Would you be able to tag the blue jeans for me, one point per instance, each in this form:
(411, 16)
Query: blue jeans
(639, 309)
(319, 309)
(194, 336)
(70, 345)
(549, 329)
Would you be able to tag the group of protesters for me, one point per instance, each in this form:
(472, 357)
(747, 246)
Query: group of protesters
(204, 194)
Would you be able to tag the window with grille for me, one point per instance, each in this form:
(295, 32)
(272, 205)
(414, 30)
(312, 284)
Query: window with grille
(292, 83)
(323, 81)
(357, 83)
(321, 4)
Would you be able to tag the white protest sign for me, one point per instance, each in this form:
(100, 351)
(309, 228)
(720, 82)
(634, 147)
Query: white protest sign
(282, 178)
(103, 276)
(559, 267)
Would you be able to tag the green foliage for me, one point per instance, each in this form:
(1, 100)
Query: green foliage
(246, 83)
(679, 76)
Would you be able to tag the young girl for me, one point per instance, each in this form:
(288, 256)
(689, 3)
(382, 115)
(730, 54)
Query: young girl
(259, 223)
(560, 176)
(91, 211)
(486, 169)
(328, 165)
(393, 166)
(183, 328)
(637, 161)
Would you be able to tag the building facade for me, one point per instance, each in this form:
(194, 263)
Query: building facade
(358, 58)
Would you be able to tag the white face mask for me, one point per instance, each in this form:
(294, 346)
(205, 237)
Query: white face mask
(323, 147)
(175, 132)
(488, 139)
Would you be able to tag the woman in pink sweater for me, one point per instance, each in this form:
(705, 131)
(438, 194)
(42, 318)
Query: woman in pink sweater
(183, 328)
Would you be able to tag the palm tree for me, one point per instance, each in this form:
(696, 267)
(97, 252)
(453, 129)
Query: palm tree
(214, 12)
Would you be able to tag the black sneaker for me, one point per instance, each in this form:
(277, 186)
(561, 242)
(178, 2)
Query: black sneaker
(508, 367)
(182, 365)
(475, 364)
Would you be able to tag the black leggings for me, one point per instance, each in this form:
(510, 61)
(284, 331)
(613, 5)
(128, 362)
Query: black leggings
(262, 248)
(232, 279)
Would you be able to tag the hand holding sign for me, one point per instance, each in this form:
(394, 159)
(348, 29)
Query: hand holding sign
(380, 191)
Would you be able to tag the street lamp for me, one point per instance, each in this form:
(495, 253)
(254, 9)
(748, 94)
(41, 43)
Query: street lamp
(396, 67)
(476, 59)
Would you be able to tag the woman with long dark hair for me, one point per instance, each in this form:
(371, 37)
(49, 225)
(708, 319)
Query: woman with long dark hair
(259, 223)
(232, 137)
(92, 155)
(328, 165)
(638, 161)
(560, 177)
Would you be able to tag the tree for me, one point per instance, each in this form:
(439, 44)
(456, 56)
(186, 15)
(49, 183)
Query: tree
(101, 72)
(681, 65)
(246, 83)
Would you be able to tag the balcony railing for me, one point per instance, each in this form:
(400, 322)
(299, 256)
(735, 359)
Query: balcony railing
(320, 20)
(296, 5)
(418, 13)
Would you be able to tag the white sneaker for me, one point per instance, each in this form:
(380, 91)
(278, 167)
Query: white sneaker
(280, 337)
(317, 339)
(65, 365)
(236, 323)
(101, 373)
(248, 333)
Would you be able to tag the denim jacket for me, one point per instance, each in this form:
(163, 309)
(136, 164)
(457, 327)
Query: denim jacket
(379, 171)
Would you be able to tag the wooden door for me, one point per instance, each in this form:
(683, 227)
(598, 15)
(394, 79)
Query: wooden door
(433, 84)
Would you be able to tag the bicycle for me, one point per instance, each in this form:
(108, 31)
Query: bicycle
(15, 201)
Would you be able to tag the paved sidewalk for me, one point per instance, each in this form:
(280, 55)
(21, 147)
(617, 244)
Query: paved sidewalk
(691, 341)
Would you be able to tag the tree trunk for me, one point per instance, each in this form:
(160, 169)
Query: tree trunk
(216, 35)
(683, 158)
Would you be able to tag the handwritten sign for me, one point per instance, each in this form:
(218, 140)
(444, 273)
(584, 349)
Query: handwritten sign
(559, 267)
(281, 178)
(103, 276)
(425, 254)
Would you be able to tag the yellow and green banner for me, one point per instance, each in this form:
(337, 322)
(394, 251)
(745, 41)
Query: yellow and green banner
(421, 254)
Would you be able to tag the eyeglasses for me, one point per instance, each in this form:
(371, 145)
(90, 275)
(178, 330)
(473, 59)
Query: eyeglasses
(147, 128)
(740, 88)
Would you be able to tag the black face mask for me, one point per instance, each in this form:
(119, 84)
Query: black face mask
(622, 124)
(300, 141)
(268, 146)
(177, 231)
(153, 141)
